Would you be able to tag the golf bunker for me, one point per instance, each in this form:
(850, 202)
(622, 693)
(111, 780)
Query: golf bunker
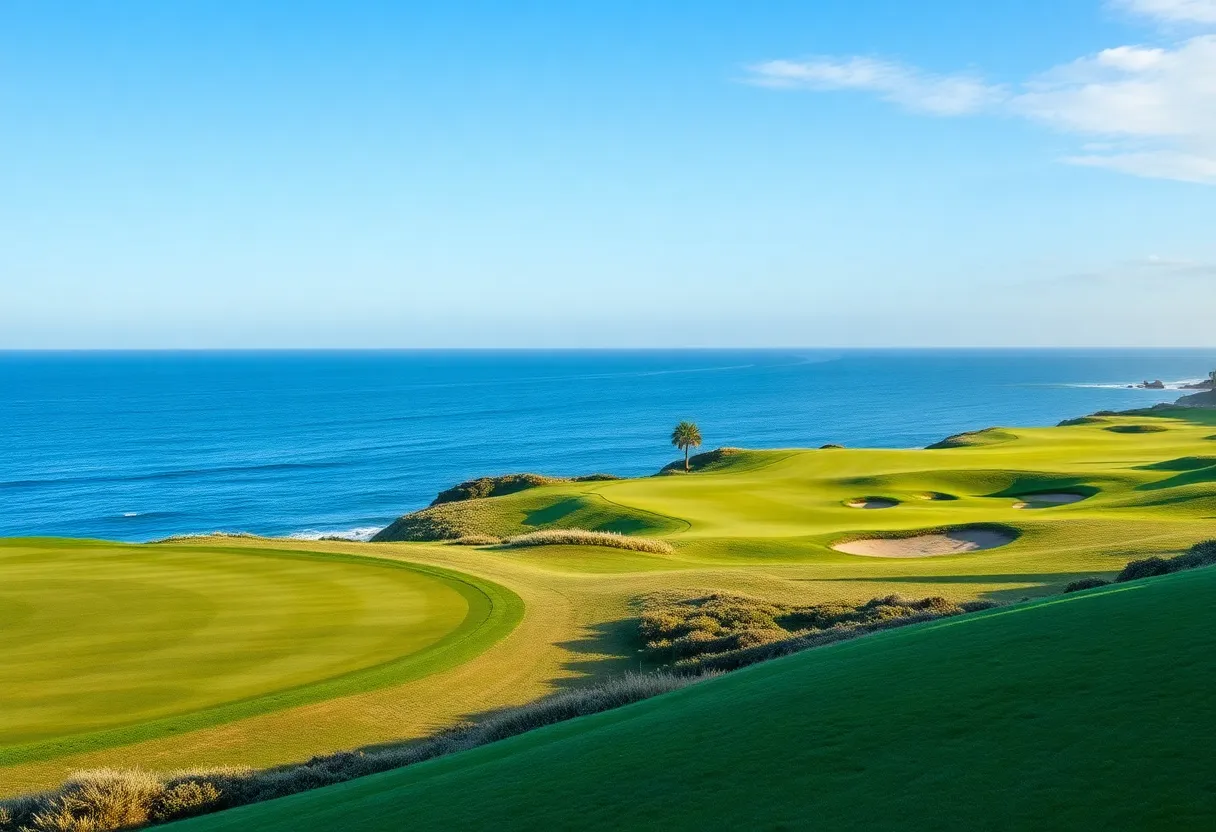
(1047, 500)
(932, 544)
(872, 502)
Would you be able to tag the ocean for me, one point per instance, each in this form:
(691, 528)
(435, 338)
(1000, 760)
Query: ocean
(140, 445)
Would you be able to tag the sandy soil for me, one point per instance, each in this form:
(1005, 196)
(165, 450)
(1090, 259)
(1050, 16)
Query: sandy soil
(926, 545)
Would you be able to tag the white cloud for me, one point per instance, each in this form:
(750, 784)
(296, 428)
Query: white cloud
(1147, 111)
(913, 89)
(1172, 11)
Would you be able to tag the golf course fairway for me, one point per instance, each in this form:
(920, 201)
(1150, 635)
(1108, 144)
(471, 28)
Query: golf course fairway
(109, 644)
(241, 651)
(1089, 710)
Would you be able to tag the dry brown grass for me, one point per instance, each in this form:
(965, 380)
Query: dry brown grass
(722, 631)
(583, 537)
(108, 799)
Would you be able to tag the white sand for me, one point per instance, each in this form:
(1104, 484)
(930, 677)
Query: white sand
(926, 545)
(872, 502)
(1047, 500)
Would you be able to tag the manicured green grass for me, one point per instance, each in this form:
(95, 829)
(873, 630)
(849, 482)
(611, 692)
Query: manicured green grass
(107, 644)
(753, 523)
(1143, 490)
(1092, 710)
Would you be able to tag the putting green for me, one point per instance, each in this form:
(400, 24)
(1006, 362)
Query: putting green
(107, 644)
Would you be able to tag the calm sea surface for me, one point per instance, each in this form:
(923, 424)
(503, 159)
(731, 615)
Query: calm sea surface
(135, 446)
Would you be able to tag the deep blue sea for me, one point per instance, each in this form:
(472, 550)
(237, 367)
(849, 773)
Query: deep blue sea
(140, 445)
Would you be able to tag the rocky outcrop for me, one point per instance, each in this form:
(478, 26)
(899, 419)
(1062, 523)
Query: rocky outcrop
(1205, 399)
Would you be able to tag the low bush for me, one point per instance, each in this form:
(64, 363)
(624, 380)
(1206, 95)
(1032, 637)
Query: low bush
(700, 462)
(477, 540)
(1085, 583)
(448, 521)
(106, 800)
(583, 537)
(721, 631)
(506, 484)
(1201, 554)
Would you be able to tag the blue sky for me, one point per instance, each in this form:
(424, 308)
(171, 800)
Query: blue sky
(594, 174)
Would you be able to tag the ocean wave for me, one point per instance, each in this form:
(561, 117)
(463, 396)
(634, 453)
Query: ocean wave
(360, 533)
(1124, 385)
(184, 473)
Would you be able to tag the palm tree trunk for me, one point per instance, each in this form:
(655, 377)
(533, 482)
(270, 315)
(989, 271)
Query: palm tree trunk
(685, 457)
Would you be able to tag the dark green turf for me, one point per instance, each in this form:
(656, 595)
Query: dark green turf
(1094, 710)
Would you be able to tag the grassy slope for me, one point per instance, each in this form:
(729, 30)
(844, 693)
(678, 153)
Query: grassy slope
(109, 644)
(757, 524)
(1086, 711)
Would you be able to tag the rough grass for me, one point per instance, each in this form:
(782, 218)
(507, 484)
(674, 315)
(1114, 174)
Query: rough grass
(477, 540)
(975, 439)
(483, 487)
(723, 632)
(1053, 715)
(104, 800)
(760, 525)
(583, 537)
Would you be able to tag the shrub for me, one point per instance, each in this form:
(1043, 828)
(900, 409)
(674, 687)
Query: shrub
(1147, 568)
(1201, 554)
(701, 632)
(111, 800)
(107, 799)
(483, 487)
(700, 462)
(583, 537)
(1085, 583)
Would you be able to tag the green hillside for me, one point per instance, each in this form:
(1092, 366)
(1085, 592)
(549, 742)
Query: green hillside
(290, 657)
(1091, 710)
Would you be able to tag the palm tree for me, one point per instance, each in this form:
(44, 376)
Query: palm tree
(686, 435)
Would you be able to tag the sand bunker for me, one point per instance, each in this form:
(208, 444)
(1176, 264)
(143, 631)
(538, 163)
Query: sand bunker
(872, 502)
(936, 495)
(953, 542)
(1060, 498)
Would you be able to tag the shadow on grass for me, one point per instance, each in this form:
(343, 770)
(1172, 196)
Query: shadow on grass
(1033, 582)
(611, 648)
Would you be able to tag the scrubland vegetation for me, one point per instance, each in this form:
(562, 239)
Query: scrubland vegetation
(723, 567)
(725, 632)
(582, 537)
